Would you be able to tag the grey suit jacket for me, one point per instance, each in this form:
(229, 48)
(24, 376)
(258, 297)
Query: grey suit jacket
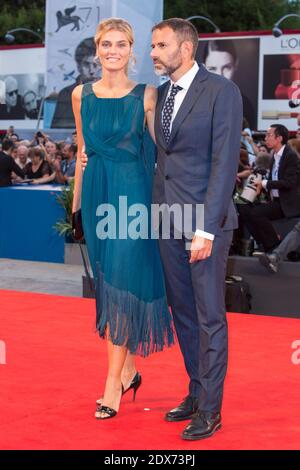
(199, 164)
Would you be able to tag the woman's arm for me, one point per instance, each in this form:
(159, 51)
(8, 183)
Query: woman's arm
(58, 174)
(253, 144)
(47, 156)
(150, 100)
(76, 103)
(244, 174)
(47, 175)
(45, 179)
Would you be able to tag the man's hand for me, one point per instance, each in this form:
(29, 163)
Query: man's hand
(200, 249)
(83, 159)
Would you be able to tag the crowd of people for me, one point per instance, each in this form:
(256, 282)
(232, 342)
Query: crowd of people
(39, 161)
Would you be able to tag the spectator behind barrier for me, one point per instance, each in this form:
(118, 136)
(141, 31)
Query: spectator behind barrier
(38, 170)
(51, 150)
(22, 156)
(262, 148)
(65, 171)
(248, 142)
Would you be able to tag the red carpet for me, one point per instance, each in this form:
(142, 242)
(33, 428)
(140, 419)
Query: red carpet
(56, 365)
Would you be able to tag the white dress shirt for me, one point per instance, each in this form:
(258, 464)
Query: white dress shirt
(275, 169)
(185, 82)
(22, 165)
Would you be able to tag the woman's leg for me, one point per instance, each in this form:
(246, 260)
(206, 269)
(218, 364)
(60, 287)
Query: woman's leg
(113, 387)
(128, 371)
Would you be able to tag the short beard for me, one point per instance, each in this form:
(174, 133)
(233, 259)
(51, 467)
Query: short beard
(167, 70)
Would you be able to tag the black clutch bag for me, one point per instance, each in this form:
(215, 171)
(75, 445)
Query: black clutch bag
(77, 226)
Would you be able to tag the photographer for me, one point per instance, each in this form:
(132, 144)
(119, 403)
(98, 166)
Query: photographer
(248, 176)
(246, 194)
(282, 187)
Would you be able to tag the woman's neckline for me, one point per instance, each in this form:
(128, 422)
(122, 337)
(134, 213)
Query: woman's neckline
(37, 167)
(113, 98)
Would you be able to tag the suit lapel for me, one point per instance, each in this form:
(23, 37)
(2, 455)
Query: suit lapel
(282, 160)
(196, 88)
(158, 114)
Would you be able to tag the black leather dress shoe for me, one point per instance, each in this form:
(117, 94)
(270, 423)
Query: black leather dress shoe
(186, 410)
(204, 424)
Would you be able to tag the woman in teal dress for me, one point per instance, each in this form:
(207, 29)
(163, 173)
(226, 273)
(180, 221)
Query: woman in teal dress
(113, 192)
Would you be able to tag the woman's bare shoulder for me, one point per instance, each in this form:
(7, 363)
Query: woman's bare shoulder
(150, 96)
(151, 91)
(76, 93)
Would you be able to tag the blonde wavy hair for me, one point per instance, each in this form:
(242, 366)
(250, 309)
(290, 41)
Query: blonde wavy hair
(114, 24)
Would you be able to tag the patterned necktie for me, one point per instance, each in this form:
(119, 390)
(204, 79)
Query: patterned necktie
(168, 111)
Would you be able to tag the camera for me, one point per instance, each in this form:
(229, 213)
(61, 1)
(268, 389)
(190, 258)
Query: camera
(249, 191)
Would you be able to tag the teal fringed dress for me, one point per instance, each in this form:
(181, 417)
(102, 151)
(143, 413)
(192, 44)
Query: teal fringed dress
(130, 291)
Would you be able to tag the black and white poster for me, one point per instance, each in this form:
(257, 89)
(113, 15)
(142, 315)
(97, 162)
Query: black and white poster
(236, 59)
(22, 87)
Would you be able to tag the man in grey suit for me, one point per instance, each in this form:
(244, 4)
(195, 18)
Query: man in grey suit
(198, 125)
